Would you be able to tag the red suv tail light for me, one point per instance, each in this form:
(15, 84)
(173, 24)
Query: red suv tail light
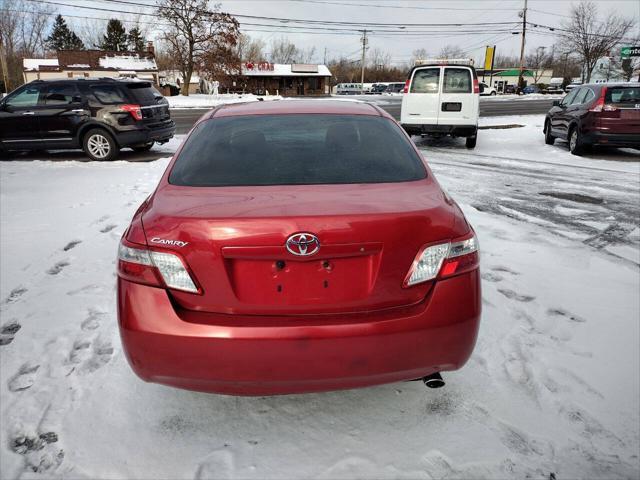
(406, 86)
(603, 109)
(155, 268)
(134, 110)
(444, 260)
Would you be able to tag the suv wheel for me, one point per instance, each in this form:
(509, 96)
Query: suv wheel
(99, 145)
(143, 148)
(471, 141)
(548, 138)
(576, 146)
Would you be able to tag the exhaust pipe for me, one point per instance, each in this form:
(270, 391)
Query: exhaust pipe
(434, 380)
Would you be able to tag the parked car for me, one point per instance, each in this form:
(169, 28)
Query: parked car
(101, 116)
(258, 273)
(531, 89)
(509, 89)
(571, 86)
(378, 88)
(349, 89)
(442, 99)
(553, 89)
(596, 114)
(487, 90)
(395, 87)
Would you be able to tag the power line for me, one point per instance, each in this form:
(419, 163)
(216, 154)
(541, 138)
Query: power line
(396, 7)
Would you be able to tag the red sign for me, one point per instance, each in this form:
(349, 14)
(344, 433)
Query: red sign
(262, 66)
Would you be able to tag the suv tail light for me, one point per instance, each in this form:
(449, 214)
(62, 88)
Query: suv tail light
(151, 267)
(600, 106)
(406, 86)
(444, 260)
(134, 110)
(476, 86)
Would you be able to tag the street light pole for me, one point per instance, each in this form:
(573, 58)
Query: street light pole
(364, 47)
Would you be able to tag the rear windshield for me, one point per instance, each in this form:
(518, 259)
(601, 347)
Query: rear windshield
(296, 150)
(144, 93)
(426, 80)
(457, 80)
(623, 95)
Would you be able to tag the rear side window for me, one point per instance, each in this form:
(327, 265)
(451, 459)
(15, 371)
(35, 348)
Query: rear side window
(109, 94)
(580, 96)
(296, 150)
(144, 93)
(61, 95)
(457, 80)
(426, 80)
(623, 95)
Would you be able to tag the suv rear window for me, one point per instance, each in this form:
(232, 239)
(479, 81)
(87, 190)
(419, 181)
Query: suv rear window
(296, 150)
(109, 94)
(144, 93)
(624, 95)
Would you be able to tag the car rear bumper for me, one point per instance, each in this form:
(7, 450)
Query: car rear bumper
(143, 134)
(613, 139)
(455, 130)
(269, 355)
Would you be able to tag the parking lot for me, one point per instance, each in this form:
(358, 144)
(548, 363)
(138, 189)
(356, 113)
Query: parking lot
(551, 390)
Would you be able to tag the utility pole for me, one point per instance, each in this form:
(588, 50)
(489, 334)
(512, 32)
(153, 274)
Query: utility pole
(364, 48)
(524, 31)
(325, 56)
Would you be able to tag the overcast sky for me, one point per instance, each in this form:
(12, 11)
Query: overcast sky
(544, 12)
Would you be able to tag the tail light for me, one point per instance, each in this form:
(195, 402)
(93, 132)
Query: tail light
(444, 260)
(155, 268)
(476, 86)
(600, 105)
(134, 110)
(406, 86)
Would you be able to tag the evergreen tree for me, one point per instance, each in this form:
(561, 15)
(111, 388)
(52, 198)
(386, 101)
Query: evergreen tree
(116, 37)
(62, 37)
(136, 40)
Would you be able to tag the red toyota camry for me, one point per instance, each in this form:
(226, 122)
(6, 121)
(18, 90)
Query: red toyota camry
(297, 246)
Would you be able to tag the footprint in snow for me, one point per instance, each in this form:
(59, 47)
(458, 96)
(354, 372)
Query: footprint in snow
(40, 453)
(57, 268)
(15, 294)
(90, 356)
(559, 312)
(492, 277)
(71, 244)
(108, 228)
(8, 332)
(24, 379)
(516, 296)
(500, 268)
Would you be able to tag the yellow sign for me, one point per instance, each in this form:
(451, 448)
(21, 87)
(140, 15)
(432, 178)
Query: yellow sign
(488, 57)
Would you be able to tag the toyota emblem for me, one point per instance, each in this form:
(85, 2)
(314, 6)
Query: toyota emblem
(303, 244)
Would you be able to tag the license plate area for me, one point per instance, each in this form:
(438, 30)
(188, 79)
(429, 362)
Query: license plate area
(290, 282)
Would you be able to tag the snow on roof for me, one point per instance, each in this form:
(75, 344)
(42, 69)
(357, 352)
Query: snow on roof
(79, 65)
(284, 70)
(128, 62)
(34, 63)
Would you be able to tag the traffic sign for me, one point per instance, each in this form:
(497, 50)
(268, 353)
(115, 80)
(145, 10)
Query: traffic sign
(630, 52)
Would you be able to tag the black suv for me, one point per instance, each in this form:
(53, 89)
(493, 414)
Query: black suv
(101, 116)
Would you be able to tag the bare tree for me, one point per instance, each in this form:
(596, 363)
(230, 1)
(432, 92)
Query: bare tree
(250, 49)
(537, 62)
(379, 59)
(198, 36)
(452, 51)
(418, 54)
(283, 51)
(305, 55)
(591, 35)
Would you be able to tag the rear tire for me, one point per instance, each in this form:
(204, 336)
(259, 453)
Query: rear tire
(494, 93)
(576, 146)
(143, 148)
(548, 138)
(471, 141)
(99, 145)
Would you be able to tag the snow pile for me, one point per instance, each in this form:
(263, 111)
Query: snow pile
(128, 62)
(552, 387)
(199, 100)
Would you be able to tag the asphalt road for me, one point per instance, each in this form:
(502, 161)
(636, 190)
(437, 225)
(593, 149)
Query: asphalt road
(185, 118)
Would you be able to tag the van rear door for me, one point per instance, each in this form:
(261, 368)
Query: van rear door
(458, 104)
(421, 103)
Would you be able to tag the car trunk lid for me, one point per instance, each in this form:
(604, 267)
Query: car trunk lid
(369, 235)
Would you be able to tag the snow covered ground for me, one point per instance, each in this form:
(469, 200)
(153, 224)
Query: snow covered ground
(199, 100)
(552, 387)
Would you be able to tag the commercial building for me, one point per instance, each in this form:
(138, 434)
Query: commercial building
(500, 78)
(284, 79)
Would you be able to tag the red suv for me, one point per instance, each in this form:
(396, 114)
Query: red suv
(294, 247)
(597, 114)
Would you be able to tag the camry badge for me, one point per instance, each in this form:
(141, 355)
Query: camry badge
(302, 244)
(173, 243)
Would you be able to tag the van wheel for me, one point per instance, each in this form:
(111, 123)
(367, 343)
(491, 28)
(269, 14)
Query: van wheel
(494, 93)
(99, 145)
(576, 146)
(471, 141)
(143, 148)
(548, 138)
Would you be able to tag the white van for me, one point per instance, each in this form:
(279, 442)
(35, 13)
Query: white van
(441, 97)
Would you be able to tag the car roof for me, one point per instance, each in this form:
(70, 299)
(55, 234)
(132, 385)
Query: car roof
(612, 84)
(285, 107)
